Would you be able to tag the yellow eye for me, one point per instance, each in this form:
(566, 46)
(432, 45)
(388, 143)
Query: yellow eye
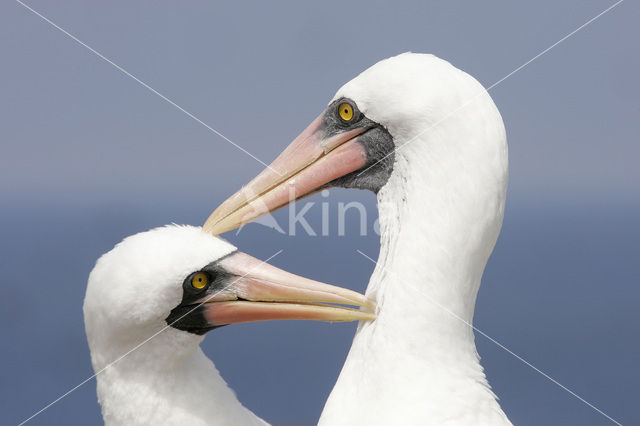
(346, 111)
(200, 280)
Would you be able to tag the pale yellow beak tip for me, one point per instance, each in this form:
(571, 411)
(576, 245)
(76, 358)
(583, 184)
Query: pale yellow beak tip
(214, 225)
(369, 316)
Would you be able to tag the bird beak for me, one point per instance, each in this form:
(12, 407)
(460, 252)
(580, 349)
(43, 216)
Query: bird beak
(312, 160)
(257, 291)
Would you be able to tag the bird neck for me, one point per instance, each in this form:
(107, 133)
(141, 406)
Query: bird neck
(440, 215)
(167, 380)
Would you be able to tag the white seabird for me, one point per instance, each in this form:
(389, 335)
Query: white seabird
(151, 299)
(428, 139)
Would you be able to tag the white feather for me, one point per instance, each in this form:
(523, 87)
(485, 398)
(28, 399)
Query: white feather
(167, 380)
(440, 215)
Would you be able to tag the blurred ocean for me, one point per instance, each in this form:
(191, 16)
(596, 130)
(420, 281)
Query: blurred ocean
(561, 290)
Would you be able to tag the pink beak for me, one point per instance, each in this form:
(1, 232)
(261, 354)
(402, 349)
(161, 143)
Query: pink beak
(260, 292)
(307, 164)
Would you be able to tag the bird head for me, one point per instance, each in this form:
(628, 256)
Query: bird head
(181, 281)
(371, 131)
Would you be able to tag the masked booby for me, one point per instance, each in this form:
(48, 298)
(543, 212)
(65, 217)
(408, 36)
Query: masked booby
(427, 138)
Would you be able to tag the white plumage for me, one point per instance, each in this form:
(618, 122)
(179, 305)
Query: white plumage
(441, 209)
(167, 380)
(150, 300)
(440, 215)
(429, 140)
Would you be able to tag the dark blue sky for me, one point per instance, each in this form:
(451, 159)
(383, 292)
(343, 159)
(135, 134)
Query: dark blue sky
(90, 156)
